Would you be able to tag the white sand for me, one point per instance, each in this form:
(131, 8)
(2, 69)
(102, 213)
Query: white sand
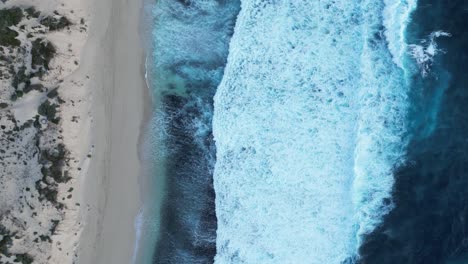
(114, 60)
(18, 177)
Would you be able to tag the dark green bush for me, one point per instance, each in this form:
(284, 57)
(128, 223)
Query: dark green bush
(6, 241)
(57, 158)
(31, 11)
(8, 38)
(50, 195)
(53, 93)
(8, 18)
(55, 23)
(48, 110)
(42, 53)
(21, 77)
(23, 258)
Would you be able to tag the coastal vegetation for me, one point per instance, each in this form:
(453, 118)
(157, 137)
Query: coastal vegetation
(49, 110)
(33, 152)
(42, 52)
(6, 241)
(54, 23)
(9, 18)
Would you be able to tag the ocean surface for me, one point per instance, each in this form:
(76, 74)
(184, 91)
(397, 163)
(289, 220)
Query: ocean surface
(315, 132)
(429, 221)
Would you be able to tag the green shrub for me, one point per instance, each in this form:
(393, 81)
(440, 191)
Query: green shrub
(8, 18)
(45, 238)
(21, 77)
(23, 258)
(57, 158)
(8, 38)
(48, 110)
(53, 93)
(6, 241)
(55, 24)
(50, 195)
(31, 11)
(42, 53)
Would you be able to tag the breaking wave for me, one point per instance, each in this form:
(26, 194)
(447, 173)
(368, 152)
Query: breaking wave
(309, 123)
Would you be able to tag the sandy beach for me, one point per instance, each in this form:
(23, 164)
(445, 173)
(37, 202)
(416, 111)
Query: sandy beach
(114, 58)
(73, 104)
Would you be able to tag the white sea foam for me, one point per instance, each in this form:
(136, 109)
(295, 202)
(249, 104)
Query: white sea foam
(425, 52)
(396, 16)
(383, 104)
(308, 125)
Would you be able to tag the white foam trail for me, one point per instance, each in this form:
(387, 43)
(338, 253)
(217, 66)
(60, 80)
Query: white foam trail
(308, 126)
(138, 225)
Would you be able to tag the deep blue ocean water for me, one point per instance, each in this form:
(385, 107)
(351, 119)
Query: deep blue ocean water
(429, 223)
(311, 131)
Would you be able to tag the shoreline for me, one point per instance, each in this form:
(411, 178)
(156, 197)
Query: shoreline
(120, 106)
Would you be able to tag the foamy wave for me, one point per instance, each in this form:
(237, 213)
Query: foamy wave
(425, 52)
(380, 143)
(396, 16)
(308, 126)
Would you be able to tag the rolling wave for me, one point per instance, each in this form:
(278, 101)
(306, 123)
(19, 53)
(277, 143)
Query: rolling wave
(309, 123)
